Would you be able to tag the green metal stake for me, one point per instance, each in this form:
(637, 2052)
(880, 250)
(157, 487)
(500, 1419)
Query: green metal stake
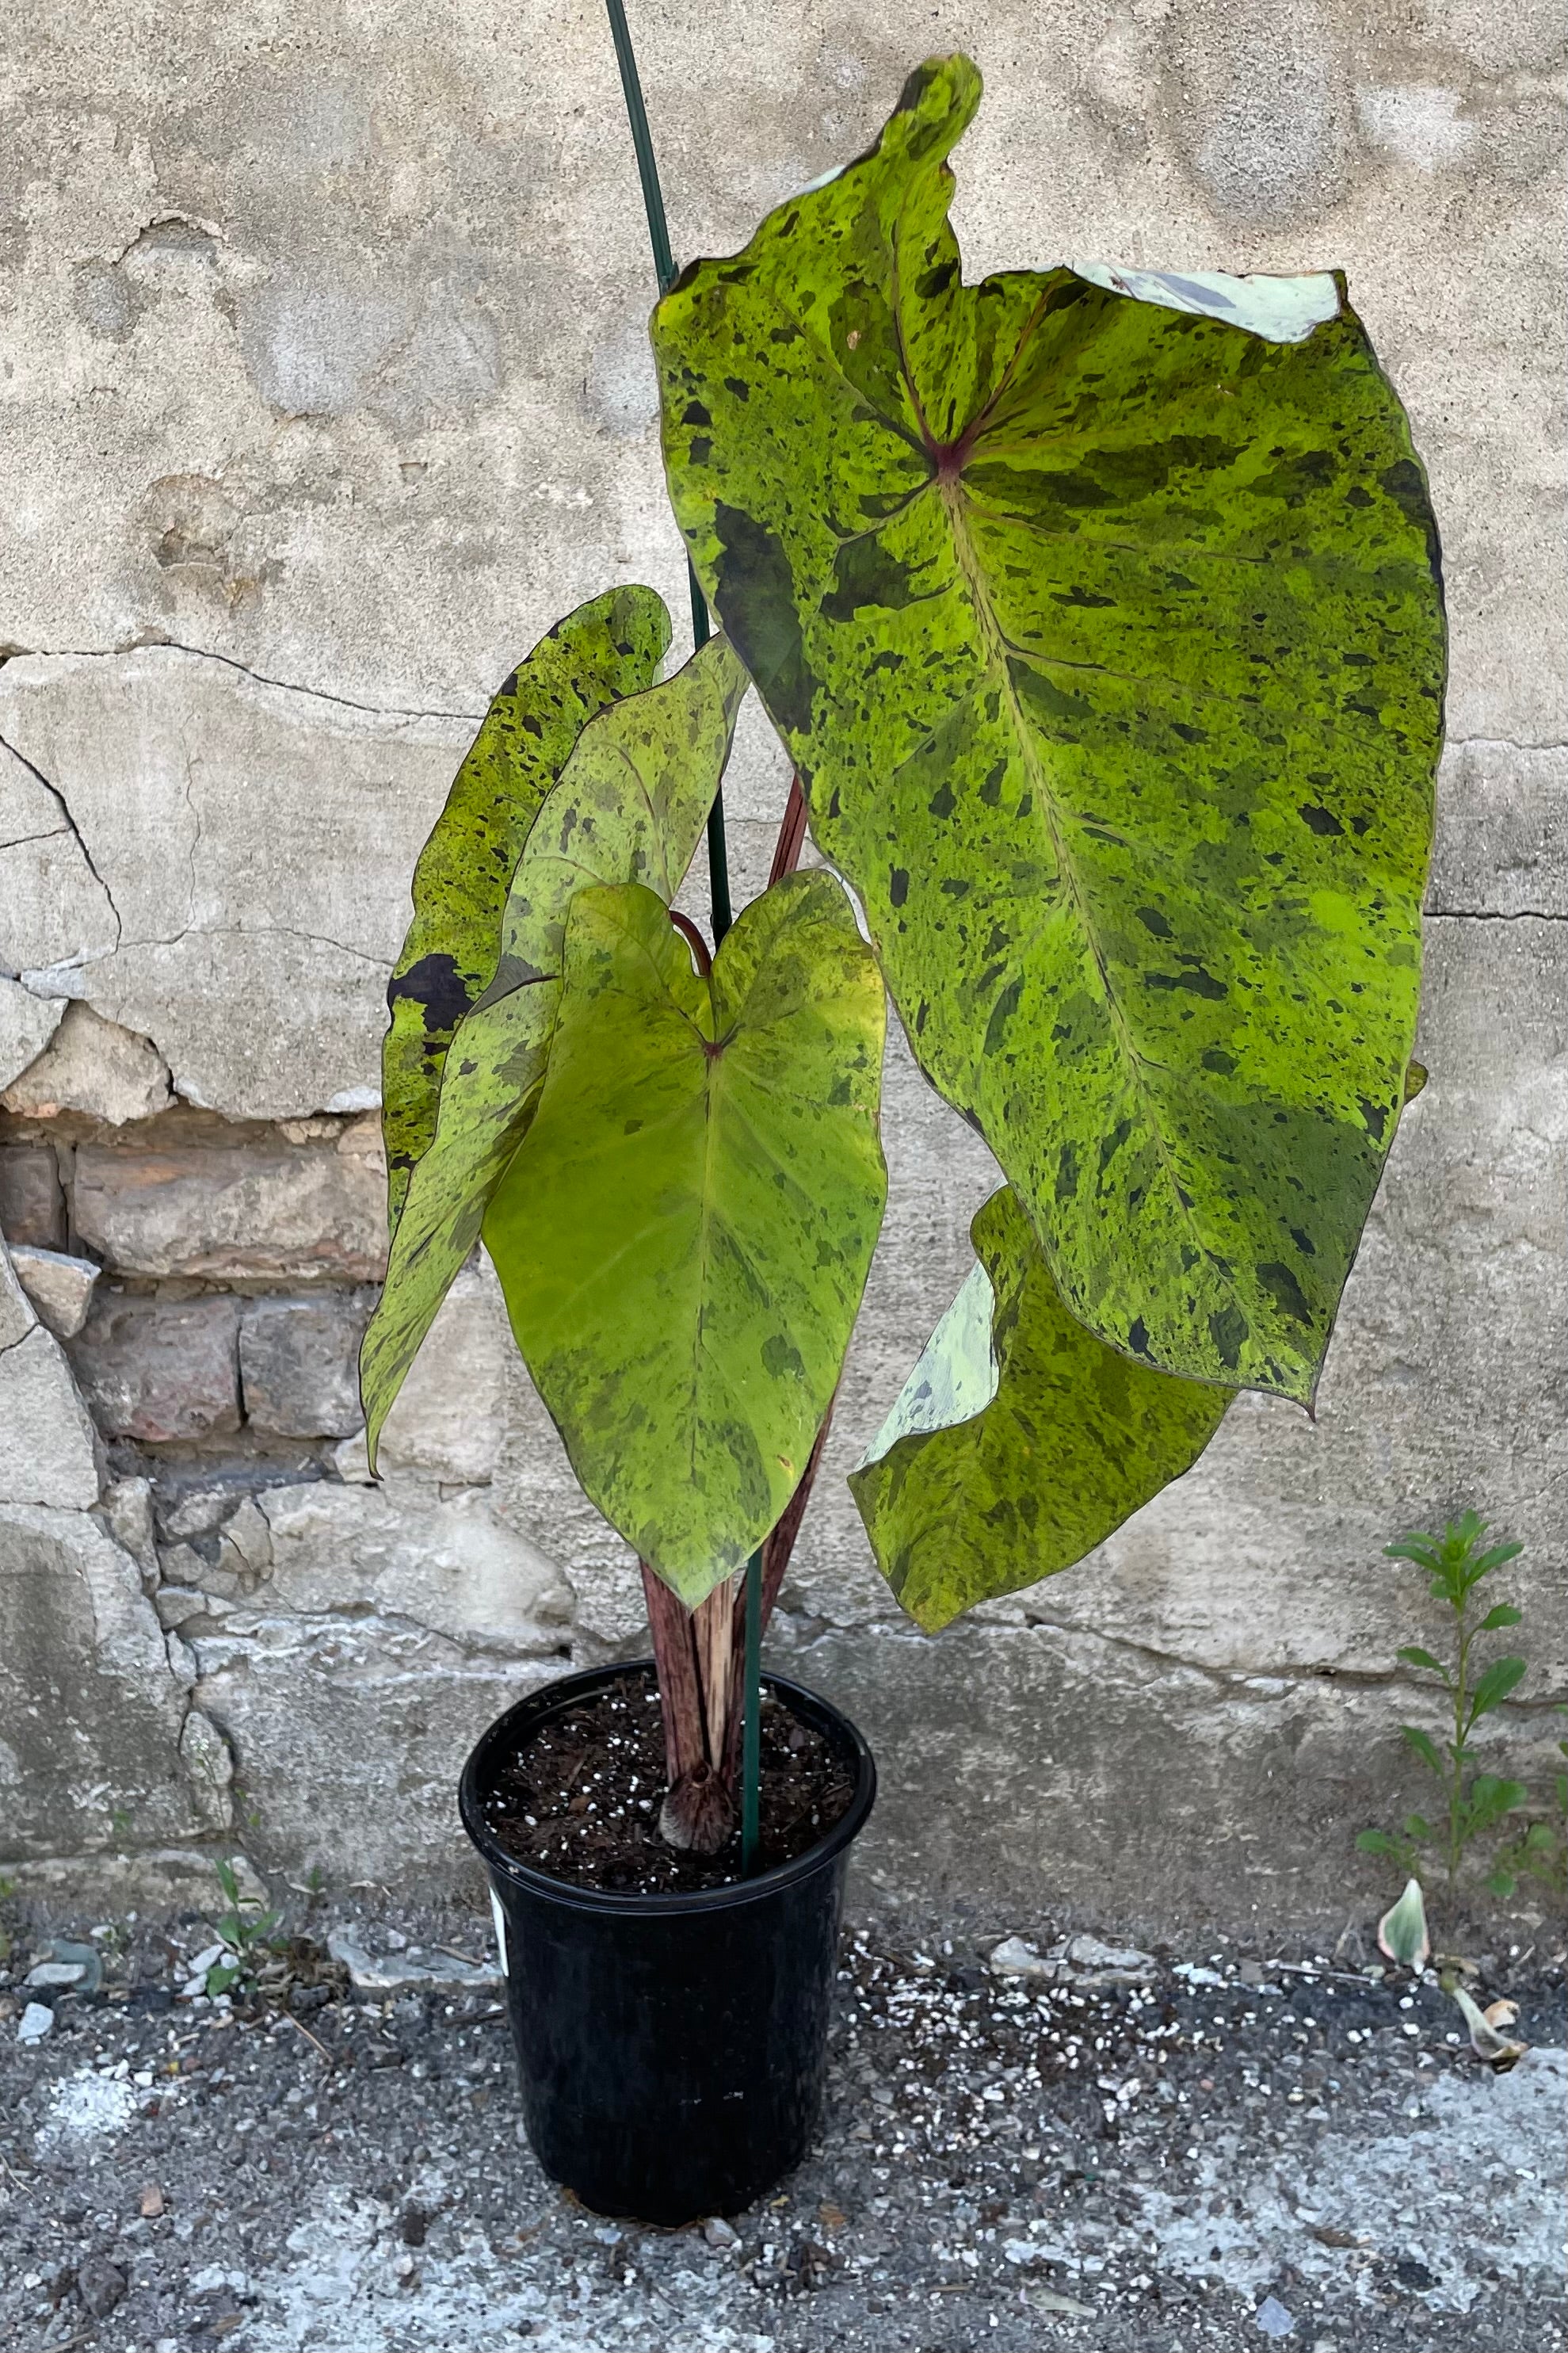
(648, 170)
(665, 273)
(752, 1720)
(719, 889)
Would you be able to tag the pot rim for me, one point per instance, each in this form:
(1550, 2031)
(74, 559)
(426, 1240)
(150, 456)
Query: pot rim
(661, 1902)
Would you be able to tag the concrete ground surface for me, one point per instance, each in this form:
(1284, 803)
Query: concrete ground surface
(1227, 2151)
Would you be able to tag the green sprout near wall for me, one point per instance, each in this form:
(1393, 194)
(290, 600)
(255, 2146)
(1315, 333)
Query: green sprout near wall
(1473, 1803)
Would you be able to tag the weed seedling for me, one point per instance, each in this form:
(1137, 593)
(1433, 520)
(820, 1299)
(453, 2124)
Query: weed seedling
(247, 1931)
(1473, 1803)
(1540, 1851)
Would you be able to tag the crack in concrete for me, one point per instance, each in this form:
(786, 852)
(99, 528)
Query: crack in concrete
(261, 677)
(20, 841)
(255, 931)
(70, 827)
(470, 718)
(1495, 915)
(1499, 744)
(285, 932)
(1396, 1679)
(246, 1623)
(195, 816)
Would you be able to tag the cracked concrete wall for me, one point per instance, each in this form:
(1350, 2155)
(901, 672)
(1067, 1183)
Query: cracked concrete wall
(326, 391)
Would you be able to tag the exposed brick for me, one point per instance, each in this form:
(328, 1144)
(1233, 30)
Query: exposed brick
(32, 1206)
(157, 1369)
(299, 1363)
(269, 1210)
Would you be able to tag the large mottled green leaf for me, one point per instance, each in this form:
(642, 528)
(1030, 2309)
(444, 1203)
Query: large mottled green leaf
(684, 1235)
(1108, 638)
(1019, 1440)
(608, 648)
(630, 808)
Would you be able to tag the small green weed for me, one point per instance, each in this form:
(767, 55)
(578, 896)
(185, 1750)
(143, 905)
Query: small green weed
(248, 1930)
(1540, 1851)
(1473, 1804)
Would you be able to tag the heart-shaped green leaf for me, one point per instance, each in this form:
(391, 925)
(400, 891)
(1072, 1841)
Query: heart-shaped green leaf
(1107, 638)
(608, 648)
(683, 1237)
(1019, 1440)
(630, 808)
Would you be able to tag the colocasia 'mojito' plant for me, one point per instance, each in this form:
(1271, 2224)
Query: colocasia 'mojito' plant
(1099, 613)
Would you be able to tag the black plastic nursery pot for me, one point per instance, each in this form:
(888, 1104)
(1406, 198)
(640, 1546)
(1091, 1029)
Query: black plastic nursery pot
(671, 2046)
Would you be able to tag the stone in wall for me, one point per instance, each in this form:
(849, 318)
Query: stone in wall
(213, 1512)
(60, 1285)
(209, 1771)
(299, 1363)
(213, 1547)
(444, 1562)
(389, 1626)
(27, 1022)
(128, 1517)
(92, 1066)
(355, 1730)
(449, 1419)
(237, 1211)
(48, 1444)
(32, 1205)
(160, 1369)
(90, 1711)
(47, 1449)
(16, 1316)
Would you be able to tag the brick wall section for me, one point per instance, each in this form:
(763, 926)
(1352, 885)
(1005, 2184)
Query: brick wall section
(286, 1205)
(240, 1260)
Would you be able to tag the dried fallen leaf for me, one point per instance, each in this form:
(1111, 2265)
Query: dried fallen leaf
(834, 2218)
(1328, 2236)
(1402, 1931)
(1502, 2013)
(1497, 2050)
(1046, 2299)
(151, 2201)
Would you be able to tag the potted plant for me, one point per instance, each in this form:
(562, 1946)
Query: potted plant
(1101, 614)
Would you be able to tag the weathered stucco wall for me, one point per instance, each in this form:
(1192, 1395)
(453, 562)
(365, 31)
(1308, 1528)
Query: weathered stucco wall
(324, 391)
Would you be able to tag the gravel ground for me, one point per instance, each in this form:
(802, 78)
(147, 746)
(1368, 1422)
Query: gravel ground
(1291, 2154)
